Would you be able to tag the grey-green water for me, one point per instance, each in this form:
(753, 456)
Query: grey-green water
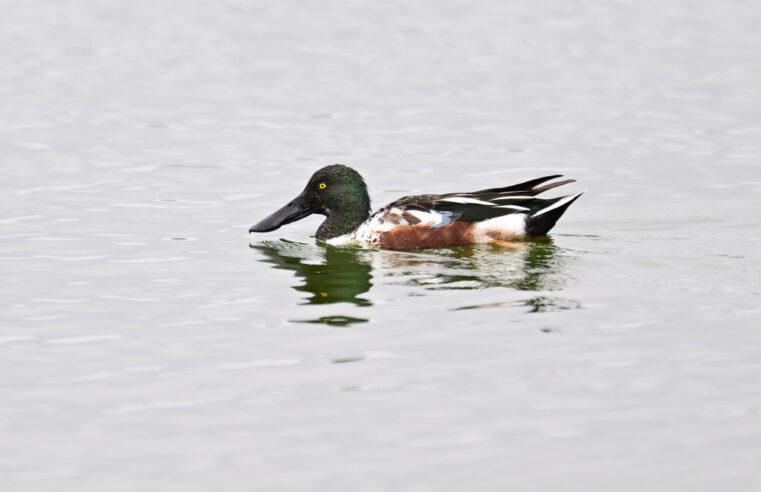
(147, 342)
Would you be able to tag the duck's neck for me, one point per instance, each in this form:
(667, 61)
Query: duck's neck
(343, 222)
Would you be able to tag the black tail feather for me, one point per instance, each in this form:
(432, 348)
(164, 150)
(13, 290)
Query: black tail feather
(541, 189)
(526, 186)
(540, 223)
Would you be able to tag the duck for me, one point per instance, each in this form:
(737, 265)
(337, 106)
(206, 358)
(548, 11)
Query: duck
(493, 215)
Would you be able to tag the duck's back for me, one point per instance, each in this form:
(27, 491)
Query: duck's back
(453, 219)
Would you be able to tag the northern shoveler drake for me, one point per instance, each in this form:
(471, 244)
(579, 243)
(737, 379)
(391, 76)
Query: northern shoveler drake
(494, 215)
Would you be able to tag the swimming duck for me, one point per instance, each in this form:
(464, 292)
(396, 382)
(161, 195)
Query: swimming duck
(494, 215)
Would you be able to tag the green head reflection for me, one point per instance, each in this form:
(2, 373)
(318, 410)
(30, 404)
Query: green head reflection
(328, 274)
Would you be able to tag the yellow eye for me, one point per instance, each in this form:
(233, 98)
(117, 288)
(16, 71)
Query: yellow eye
(322, 186)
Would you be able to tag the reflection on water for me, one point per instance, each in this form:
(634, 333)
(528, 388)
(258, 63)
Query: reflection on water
(333, 320)
(342, 274)
(330, 274)
(533, 266)
(539, 304)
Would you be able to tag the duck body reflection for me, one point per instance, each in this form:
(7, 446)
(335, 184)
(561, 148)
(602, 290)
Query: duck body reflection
(335, 274)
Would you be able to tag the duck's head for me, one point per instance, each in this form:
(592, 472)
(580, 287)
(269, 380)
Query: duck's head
(336, 191)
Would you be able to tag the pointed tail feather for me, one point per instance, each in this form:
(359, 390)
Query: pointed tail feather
(525, 186)
(540, 223)
(540, 189)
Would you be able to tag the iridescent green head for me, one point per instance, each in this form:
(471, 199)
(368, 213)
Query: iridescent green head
(336, 191)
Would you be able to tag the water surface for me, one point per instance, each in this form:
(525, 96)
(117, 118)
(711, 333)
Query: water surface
(146, 341)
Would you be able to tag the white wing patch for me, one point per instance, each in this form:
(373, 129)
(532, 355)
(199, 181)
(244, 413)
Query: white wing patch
(462, 199)
(514, 197)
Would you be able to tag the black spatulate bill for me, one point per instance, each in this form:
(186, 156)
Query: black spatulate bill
(295, 210)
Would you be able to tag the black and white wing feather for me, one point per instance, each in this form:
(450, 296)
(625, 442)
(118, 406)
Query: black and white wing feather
(536, 215)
